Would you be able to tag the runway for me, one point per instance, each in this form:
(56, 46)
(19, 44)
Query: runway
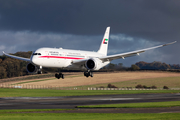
(73, 101)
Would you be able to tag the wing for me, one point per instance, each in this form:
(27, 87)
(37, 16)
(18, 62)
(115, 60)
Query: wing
(16, 57)
(129, 54)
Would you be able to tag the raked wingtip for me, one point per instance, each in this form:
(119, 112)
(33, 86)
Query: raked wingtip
(169, 43)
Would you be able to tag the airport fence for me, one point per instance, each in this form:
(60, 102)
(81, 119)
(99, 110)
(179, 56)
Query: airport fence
(25, 86)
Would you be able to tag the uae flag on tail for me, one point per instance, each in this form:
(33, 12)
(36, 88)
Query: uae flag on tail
(105, 41)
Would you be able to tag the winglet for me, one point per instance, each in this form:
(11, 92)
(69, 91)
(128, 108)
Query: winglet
(169, 43)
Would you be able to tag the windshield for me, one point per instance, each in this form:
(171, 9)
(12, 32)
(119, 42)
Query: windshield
(36, 53)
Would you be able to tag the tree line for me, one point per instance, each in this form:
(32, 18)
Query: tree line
(10, 67)
(156, 66)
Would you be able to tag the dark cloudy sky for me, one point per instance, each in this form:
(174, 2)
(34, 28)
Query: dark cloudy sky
(26, 25)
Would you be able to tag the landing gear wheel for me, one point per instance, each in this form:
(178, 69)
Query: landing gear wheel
(91, 74)
(39, 72)
(59, 75)
(62, 76)
(88, 73)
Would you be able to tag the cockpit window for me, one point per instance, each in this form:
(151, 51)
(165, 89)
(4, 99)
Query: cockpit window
(36, 53)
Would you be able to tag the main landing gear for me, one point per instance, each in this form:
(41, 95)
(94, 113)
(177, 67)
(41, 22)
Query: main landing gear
(59, 75)
(88, 73)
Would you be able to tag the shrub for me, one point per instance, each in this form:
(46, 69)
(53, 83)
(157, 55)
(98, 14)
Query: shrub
(111, 86)
(154, 87)
(144, 86)
(165, 87)
(134, 67)
(139, 86)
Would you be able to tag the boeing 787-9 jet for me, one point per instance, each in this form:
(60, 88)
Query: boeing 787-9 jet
(75, 59)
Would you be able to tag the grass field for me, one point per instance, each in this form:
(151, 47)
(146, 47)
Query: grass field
(89, 116)
(119, 79)
(46, 114)
(126, 79)
(56, 93)
(171, 82)
(136, 105)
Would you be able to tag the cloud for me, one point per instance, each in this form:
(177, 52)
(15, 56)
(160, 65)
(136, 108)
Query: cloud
(153, 20)
(12, 42)
(120, 43)
(2, 47)
(125, 43)
(30, 41)
(26, 25)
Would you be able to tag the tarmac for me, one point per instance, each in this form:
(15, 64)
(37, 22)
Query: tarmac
(71, 102)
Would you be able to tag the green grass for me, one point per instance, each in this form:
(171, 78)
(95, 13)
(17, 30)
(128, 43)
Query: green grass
(136, 105)
(31, 110)
(5, 92)
(89, 116)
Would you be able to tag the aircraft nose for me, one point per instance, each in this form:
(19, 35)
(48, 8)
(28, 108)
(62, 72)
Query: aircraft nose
(33, 60)
(36, 61)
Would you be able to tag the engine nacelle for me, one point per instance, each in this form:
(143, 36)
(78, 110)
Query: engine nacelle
(31, 68)
(93, 64)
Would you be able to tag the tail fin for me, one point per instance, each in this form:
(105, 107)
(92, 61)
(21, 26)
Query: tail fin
(104, 44)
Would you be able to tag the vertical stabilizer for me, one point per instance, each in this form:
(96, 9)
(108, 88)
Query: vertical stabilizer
(104, 44)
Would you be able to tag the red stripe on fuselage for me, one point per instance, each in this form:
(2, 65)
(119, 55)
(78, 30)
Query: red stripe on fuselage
(60, 57)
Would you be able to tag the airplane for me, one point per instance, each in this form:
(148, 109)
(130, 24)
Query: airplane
(75, 59)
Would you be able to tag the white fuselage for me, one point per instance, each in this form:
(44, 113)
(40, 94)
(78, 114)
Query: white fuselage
(61, 58)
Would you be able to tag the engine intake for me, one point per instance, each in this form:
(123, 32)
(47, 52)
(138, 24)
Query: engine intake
(90, 64)
(31, 68)
(93, 64)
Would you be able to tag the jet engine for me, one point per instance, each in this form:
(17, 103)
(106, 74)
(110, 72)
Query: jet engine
(93, 64)
(31, 68)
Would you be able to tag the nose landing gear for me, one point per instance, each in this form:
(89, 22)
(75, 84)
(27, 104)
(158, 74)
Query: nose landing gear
(39, 71)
